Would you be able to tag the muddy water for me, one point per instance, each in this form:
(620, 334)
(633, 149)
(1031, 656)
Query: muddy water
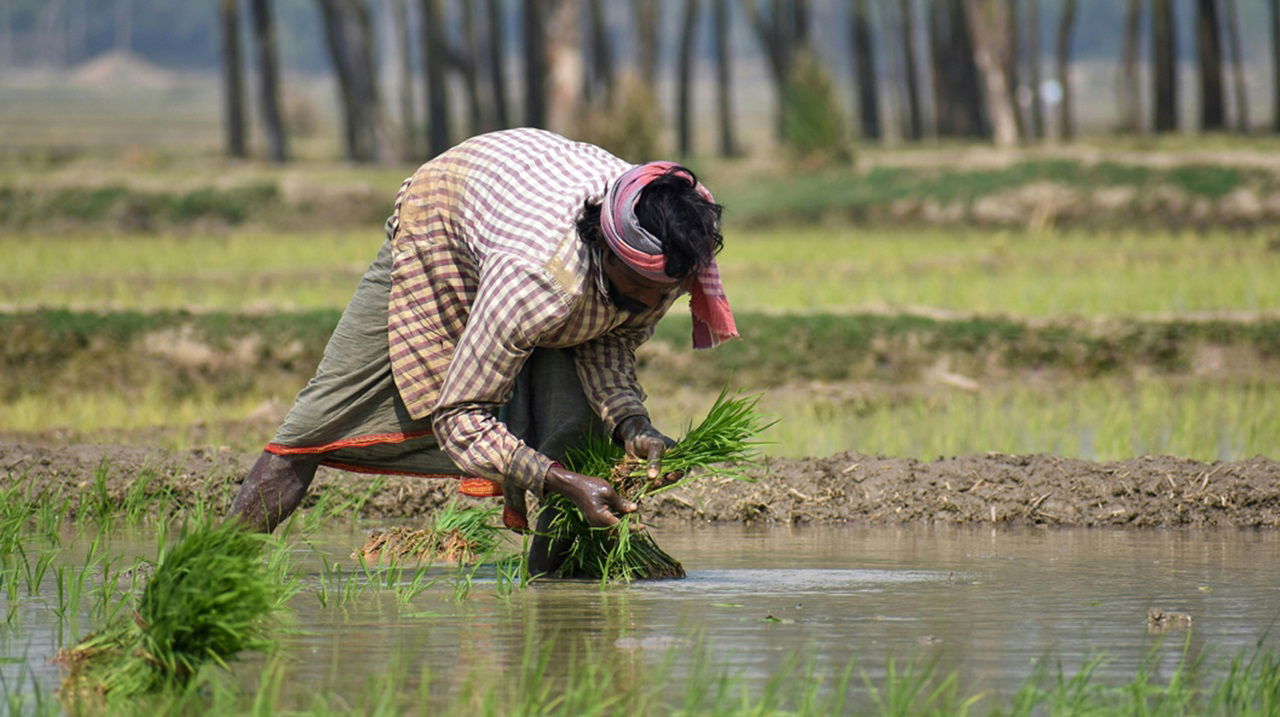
(988, 603)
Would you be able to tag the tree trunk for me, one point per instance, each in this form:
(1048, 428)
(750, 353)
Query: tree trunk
(435, 57)
(684, 103)
(1129, 96)
(124, 25)
(1164, 49)
(264, 35)
(564, 65)
(1209, 55)
(402, 36)
(724, 78)
(1275, 65)
(6, 33)
(535, 63)
(958, 94)
(1237, 66)
(645, 14)
(78, 32)
(988, 20)
(600, 66)
(468, 62)
(1066, 113)
(1033, 67)
(350, 41)
(1013, 65)
(232, 77)
(864, 69)
(498, 63)
(915, 125)
(777, 34)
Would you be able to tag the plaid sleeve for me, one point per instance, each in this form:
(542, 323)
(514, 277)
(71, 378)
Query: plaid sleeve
(514, 304)
(607, 369)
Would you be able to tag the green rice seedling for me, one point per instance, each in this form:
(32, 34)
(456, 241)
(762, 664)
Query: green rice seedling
(212, 596)
(720, 445)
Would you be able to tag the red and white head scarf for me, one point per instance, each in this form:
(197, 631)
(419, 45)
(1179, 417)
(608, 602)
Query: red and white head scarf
(642, 251)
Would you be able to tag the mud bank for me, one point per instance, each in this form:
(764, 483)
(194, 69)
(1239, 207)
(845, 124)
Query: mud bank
(847, 487)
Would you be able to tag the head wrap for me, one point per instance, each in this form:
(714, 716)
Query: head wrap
(642, 251)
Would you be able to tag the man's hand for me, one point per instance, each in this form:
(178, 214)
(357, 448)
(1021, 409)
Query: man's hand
(641, 440)
(593, 496)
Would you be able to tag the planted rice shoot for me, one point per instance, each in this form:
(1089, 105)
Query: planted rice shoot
(214, 595)
(721, 445)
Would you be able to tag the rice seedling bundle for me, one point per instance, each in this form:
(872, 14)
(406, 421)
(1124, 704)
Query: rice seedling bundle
(459, 534)
(212, 596)
(721, 445)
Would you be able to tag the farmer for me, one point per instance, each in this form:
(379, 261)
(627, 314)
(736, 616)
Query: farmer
(498, 325)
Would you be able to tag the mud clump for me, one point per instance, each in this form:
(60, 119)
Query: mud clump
(1151, 491)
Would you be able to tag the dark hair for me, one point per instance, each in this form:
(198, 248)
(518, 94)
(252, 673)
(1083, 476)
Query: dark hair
(672, 210)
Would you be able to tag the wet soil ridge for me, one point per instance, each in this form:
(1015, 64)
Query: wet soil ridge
(1036, 193)
(180, 352)
(1158, 491)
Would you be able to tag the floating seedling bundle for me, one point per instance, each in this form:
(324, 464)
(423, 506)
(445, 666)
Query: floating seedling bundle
(720, 445)
(459, 534)
(212, 595)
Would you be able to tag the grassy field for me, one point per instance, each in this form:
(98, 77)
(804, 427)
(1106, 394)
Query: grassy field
(1017, 274)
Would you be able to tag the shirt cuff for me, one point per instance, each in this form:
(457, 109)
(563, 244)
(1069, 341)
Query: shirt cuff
(528, 469)
(619, 408)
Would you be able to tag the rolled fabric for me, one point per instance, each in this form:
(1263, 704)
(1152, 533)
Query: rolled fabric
(712, 318)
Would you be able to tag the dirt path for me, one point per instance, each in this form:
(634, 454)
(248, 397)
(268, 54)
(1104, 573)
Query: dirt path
(847, 487)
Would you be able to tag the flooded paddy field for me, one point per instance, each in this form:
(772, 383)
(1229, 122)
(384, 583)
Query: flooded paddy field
(986, 607)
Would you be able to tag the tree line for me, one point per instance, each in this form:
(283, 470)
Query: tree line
(931, 68)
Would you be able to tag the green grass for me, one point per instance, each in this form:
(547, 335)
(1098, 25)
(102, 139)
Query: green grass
(1009, 273)
(1101, 419)
(1013, 273)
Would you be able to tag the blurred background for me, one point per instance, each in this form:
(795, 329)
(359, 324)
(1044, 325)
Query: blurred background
(952, 226)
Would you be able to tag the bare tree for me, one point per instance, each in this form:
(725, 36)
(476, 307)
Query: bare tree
(601, 75)
(1209, 58)
(1127, 91)
(1013, 64)
(724, 78)
(645, 18)
(535, 62)
(1275, 65)
(232, 77)
(1066, 112)
(783, 31)
(684, 103)
(264, 36)
(349, 37)
(435, 58)
(958, 103)
(497, 62)
(402, 37)
(988, 20)
(467, 61)
(124, 25)
(1164, 50)
(1237, 66)
(864, 69)
(564, 65)
(6, 33)
(915, 124)
(1033, 69)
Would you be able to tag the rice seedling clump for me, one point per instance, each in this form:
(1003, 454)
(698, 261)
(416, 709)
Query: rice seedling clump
(458, 534)
(212, 596)
(721, 445)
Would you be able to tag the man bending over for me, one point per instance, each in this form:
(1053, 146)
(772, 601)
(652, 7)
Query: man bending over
(498, 324)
